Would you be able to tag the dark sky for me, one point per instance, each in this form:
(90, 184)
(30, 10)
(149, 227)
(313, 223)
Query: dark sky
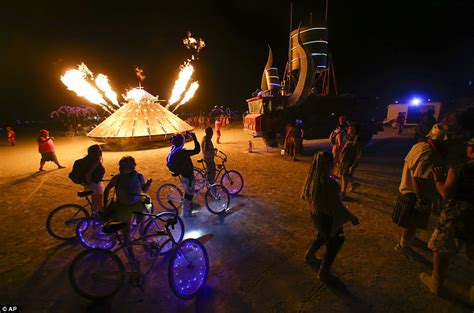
(391, 49)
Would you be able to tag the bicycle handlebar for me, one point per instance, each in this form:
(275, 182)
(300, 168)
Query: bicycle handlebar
(224, 157)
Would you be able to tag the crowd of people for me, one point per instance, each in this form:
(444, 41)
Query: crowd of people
(431, 183)
(202, 121)
(434, 183)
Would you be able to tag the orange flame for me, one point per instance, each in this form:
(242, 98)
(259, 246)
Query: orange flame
(102, 81)
(181, 83)
(189, 94)
(77, 80)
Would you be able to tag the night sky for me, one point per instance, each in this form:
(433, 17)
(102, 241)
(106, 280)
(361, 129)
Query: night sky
(389, 49)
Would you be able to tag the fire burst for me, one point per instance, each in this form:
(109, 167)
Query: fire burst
(81, 81)
(77, 81)
(181, 83)
(102, 81)
(189, 94)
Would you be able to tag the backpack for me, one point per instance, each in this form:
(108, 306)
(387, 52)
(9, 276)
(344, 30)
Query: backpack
(172, 166)
(78, 172)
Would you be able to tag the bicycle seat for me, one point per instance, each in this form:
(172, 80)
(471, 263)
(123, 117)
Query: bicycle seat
(200, 160)
(113, 226)
(83, 194)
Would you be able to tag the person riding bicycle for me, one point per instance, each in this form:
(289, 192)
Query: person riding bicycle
(129, 185)
(208, 152)
(180, 164)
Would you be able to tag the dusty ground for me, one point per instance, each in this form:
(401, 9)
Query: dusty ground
(256, 254)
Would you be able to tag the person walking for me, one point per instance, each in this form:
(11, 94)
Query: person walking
(298, 135)
(290, 141)
(338, 138)
(201, 121)
(217, 126)
(46, 149)
(208, 152)
(327, 212)
(417, 192)
(11, 136)
(349, 155)
(455, 226)
(180, 164)
(400, 121)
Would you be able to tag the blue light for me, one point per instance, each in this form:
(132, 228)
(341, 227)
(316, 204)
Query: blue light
(416, 101)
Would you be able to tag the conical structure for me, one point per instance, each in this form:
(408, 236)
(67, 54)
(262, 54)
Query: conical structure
(141, 119)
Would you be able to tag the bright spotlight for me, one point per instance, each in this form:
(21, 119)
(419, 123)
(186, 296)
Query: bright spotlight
(415, 101)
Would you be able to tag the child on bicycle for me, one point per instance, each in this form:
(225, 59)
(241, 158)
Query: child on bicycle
(208, 152)
(180, 164)
(129, 185)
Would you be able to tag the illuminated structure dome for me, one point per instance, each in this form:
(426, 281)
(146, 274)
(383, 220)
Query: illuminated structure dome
(141, 119)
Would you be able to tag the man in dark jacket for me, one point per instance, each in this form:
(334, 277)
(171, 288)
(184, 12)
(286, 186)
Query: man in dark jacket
(179, 162)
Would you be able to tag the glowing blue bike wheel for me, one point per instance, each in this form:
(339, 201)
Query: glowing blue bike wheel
(188, 269)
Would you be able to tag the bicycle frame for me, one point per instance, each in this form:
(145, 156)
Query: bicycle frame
(142, 240)
(220, 167)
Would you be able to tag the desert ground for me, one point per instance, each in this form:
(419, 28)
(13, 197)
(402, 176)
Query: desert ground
(257, 249)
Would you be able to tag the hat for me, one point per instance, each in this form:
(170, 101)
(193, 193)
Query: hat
(44, 131)
(471, 142)
(438, 132)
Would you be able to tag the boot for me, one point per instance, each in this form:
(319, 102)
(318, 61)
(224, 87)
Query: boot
(310, 257)
(435, 280)
(332, 249)
(432, 282)
(325, 274)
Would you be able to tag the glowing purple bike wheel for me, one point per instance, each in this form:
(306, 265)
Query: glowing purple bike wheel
(233, 181)
(188, 269)
(90, 234)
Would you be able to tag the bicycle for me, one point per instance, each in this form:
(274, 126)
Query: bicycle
(232, 180)
(98, 273)
(217, 197)
(62, 222)
(90, 234)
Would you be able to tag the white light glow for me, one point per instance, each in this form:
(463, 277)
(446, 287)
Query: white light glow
(193, 234)
(416, 101)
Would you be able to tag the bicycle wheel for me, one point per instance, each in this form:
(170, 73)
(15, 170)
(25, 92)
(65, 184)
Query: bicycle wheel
(199, 179)
(163, 243)
(62, 221)
(233, 181)
(217, 199)
(188, 269)
(169, 192)
(90, 234)
(96, 274)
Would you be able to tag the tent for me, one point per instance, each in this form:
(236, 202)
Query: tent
(140, 119)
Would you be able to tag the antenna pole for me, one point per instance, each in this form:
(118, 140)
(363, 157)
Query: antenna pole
(327, 8)
(289, 49)
(291, 28)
